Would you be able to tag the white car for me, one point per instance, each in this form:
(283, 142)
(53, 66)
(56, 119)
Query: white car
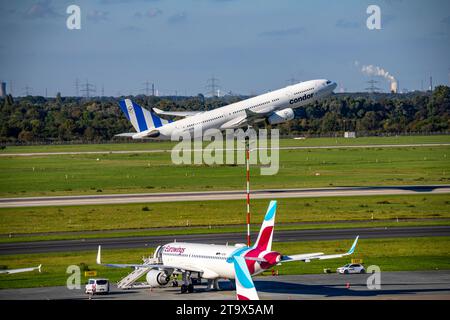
(351, 268)
(97, 286)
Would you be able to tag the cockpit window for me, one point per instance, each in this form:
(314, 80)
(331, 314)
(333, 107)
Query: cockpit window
(328, 82)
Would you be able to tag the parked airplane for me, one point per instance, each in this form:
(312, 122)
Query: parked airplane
(213, 262)
(274, 107)
(11, 271)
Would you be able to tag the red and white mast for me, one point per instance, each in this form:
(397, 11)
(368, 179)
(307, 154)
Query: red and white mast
(247, 157)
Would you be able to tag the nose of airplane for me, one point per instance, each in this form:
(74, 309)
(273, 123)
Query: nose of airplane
(326, 88)
(333, 85)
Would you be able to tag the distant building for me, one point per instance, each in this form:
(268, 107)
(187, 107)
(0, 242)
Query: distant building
(349, 134)
(3, 89)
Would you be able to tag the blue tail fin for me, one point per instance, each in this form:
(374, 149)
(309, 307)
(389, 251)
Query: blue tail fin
(141, 118)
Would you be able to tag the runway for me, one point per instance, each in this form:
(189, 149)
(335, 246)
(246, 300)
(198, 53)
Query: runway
(220, 195)
(219, 238)
(394, 286)
(61, 153)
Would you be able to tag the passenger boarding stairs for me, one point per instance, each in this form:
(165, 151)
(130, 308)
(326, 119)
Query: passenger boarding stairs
(128, 282)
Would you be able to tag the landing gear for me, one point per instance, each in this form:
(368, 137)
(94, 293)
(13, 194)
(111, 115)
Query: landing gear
(213, 285)
(187, 288)
(187, 285)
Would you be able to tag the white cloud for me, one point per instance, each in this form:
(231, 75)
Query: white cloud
(41, 9)
(151, 13)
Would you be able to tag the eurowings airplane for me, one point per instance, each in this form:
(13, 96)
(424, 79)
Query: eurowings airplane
(213, 262)
(273, 107)
(11, 271)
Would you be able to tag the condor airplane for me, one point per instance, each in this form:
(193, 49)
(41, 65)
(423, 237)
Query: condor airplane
(213, 262)
(273, 107)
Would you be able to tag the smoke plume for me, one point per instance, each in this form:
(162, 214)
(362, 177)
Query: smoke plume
(372, 70)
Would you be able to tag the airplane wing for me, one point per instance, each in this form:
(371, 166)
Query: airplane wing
(318, 255)
(12, 271)
(245, 289)
(125, 134)
(234, 123)
(176, 113)
(255, 116)
(250, 118)
(142, 265)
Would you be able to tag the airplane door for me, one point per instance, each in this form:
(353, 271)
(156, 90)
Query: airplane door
(158, 254)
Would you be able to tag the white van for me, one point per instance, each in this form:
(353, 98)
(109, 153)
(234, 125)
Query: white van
(97, 286)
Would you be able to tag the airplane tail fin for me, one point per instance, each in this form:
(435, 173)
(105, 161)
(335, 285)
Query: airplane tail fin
(245, 289)
(264, 241)
(141, 118)
(99, 255)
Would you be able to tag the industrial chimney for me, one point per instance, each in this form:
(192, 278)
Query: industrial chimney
(2, 89)
(394, 87)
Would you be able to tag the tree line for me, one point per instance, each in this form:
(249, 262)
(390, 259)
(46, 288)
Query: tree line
(61, 119)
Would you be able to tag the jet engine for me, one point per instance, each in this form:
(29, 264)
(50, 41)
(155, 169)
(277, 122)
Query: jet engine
(281, 116)
(157, 278)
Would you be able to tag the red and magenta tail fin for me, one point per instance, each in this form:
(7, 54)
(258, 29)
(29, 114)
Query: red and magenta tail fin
(264, 241)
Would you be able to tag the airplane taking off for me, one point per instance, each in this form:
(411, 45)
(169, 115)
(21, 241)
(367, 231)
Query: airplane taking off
(273, 108)
(11, 271)
(214, 262)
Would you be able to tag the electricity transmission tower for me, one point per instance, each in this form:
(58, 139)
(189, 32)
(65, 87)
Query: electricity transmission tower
(372, 88)
(213, 87)
(27, 90)
(292, 81)
(87, 89)
(77, 88)
(147, 88)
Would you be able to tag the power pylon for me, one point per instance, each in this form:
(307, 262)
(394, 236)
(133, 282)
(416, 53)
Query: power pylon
(88, 88)
(213, 86)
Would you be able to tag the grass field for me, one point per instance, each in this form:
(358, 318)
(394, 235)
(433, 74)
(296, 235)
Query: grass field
(182, 214)
(154, 145)
(388, 254)
(154, 172)
(134, 173)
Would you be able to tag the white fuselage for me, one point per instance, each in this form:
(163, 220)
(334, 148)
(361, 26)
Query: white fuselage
(235, 115)
(210, 258)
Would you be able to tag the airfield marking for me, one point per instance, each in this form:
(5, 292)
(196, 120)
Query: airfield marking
(220, 195)
(31, 154)
(87, 244)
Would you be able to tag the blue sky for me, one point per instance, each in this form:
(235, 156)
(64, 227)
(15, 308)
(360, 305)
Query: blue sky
(250, 46)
